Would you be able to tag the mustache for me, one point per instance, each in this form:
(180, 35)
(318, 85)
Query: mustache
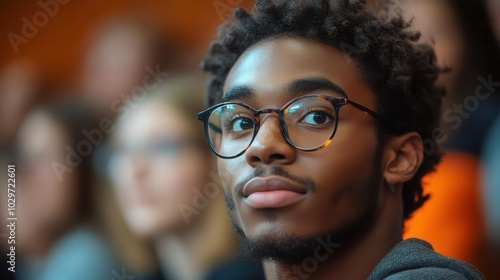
(307, 182)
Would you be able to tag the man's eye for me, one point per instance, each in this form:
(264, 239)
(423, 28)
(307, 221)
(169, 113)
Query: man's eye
(316, 117)
(241, 124)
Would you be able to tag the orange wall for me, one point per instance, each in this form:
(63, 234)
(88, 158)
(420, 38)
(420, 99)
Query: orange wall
(58, 46)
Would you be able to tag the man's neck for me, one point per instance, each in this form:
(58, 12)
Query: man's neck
(352, 261)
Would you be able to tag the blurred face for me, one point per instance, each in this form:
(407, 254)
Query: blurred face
(279, 196)
(156, 168)
(46, 206)
(441, 28)
(114, 65)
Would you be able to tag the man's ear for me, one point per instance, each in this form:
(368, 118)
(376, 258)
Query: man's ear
(403, 156)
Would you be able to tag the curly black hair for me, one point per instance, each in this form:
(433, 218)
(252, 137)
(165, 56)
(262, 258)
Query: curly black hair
(400, 70)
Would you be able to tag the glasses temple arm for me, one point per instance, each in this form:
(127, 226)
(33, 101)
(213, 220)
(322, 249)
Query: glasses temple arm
(373, 114)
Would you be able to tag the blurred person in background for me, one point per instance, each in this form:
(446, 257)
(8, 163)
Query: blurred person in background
(166, 184)
(126, 52)
(464, 42)
(491, 176)
(20, 88)
(491, 196)
(57, 234)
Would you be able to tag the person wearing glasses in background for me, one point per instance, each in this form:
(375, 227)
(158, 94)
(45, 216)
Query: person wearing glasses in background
(164, 179)
(319, 114)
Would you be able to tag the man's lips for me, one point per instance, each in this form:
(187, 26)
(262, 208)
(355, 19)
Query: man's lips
(272, 192)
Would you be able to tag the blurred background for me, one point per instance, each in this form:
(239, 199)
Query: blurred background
(60, 45)
(88, 94)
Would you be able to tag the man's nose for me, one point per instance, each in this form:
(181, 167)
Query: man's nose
(269, 145)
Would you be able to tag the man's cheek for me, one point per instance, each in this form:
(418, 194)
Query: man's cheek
(224, 175)
(227, 186)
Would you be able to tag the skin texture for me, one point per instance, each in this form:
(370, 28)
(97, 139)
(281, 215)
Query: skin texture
(349, 192)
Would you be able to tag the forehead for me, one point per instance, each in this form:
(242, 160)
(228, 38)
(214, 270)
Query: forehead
(270, 65)
(151, 121)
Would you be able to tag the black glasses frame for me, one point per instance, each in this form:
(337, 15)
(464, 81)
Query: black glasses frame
(336, 102)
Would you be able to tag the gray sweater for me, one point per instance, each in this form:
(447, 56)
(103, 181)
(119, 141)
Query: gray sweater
(415, 259)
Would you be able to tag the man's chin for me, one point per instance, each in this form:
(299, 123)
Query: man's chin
(268, 241)
(286, 248)
(289, 246)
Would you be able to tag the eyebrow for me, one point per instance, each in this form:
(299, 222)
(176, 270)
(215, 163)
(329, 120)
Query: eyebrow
(294, 88)
(238, 92)
(314, 84)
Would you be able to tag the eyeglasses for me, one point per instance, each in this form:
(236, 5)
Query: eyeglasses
(308, 123)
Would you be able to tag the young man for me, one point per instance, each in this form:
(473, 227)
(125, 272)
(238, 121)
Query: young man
(323, 118)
